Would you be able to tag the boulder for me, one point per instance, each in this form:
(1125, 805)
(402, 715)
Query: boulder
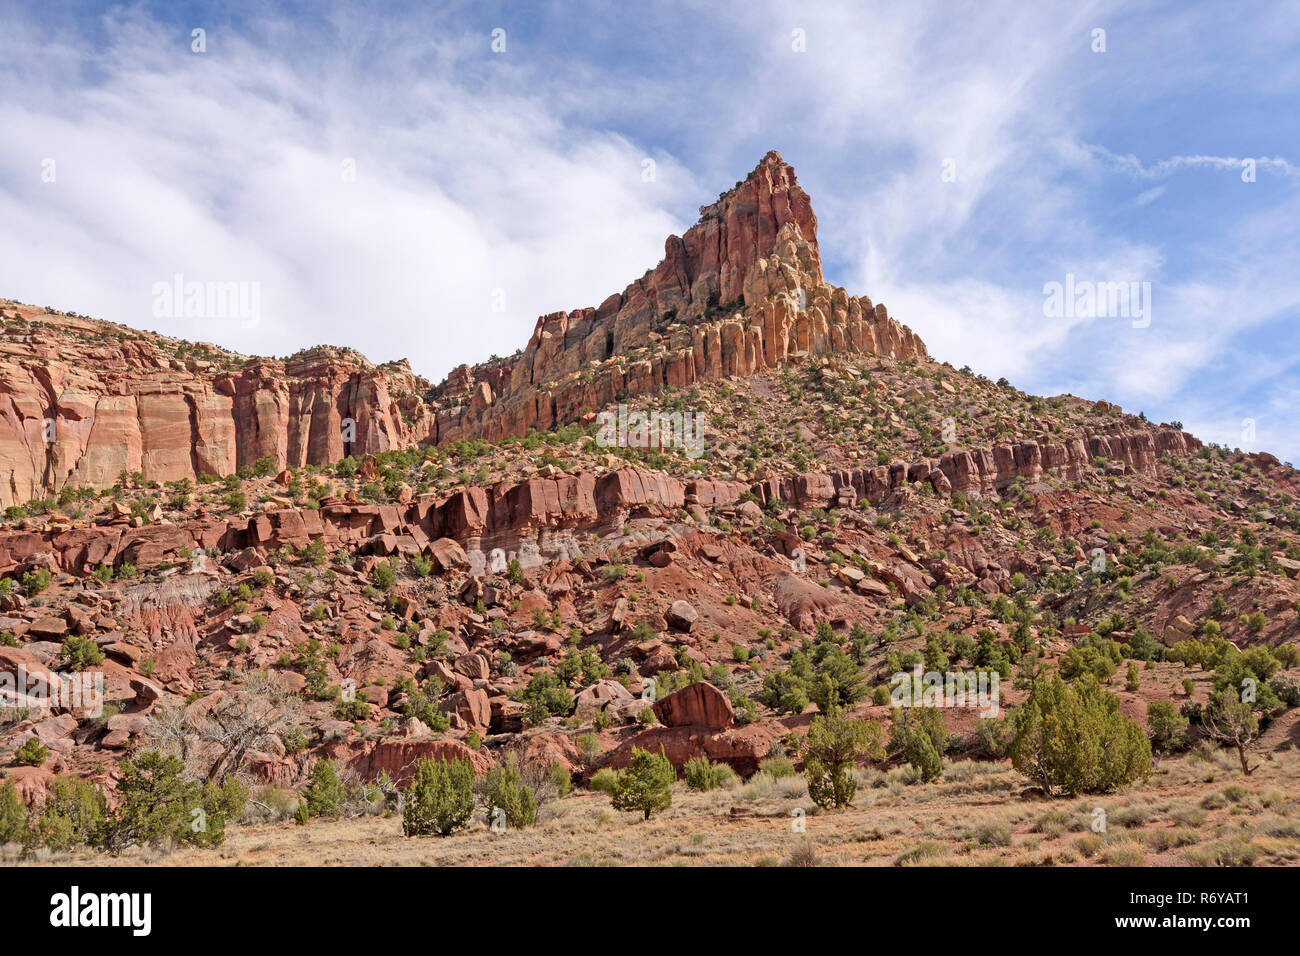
(681, 616)
(696, 705)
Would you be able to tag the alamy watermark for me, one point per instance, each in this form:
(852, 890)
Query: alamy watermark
(654, 429)
(949, 689)
(80, 691)
(1084, 299)
(179, 299)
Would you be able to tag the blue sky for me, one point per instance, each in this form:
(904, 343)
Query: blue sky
(485, 179)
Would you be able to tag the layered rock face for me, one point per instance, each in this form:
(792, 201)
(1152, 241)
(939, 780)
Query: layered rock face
(80, 403)
(528, 519)
(740, 292)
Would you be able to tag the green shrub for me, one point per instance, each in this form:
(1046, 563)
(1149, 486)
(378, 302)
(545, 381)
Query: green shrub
(559, 777)
(515, 572)
(1286, 688)
(921, 735)
(13, 815)
(1166, 726)
(34, 582)
(834, 744)
(703, 774)
(82, 652)
(1079, 661)
(604, 781)
(924, 758)
(646, 784)
(1073, 738)
(324, 794)
(440, 799)
(156, 806)
(777, 766)
(546, 696)
(72, 815)
(383, 576)
(31, 754)
(504, 789)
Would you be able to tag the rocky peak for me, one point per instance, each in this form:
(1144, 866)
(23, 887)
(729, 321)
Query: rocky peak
(740, 291)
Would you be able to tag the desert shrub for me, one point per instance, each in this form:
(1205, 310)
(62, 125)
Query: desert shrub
(157, 806)
(603, 781)
(1232, 721)
(825, 675)
(1132, 681)
(31, 754)
(993, 834)
(646, 784)
(777, 767)
(703, 774)
(546, 696)
(804, 854)
(34, 582)
(1286, 688)
(383, 576)
(72, 815)
(515, 572)
(504, 789)
(559, 778)
(1143, 646)
(324, 794)
(13, 815)
(1124, 854)
(82, 652)
(923, 757)
(1166, 726)
(834, 744)
(1086, 660)
(440, 799)
(921, 735)
(993, 736)
(1073, 738)
(422, 703)
(1234, 851)
(919, 854)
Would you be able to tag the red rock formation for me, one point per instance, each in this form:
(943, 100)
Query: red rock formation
(740, 292)
(400, 758)
(115, 401)
(509, 515)
(696, 705)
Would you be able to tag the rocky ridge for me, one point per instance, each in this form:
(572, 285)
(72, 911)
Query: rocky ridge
(741, 291)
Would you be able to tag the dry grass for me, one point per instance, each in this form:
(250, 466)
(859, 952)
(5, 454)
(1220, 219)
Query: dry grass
(1191, 812)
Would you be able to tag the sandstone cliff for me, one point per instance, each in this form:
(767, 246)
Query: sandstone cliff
(740, 292)
(529, 519)
(82, 401)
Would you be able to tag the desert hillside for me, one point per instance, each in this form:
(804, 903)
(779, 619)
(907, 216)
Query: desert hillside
(712, 518)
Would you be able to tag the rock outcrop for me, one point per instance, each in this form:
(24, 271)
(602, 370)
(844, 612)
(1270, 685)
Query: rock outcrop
(530, 518)
(80, 405)
(82, 401)
(740, 292)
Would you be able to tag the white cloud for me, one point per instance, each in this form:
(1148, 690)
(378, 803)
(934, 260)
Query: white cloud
(1148, 196)
(228, 167)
